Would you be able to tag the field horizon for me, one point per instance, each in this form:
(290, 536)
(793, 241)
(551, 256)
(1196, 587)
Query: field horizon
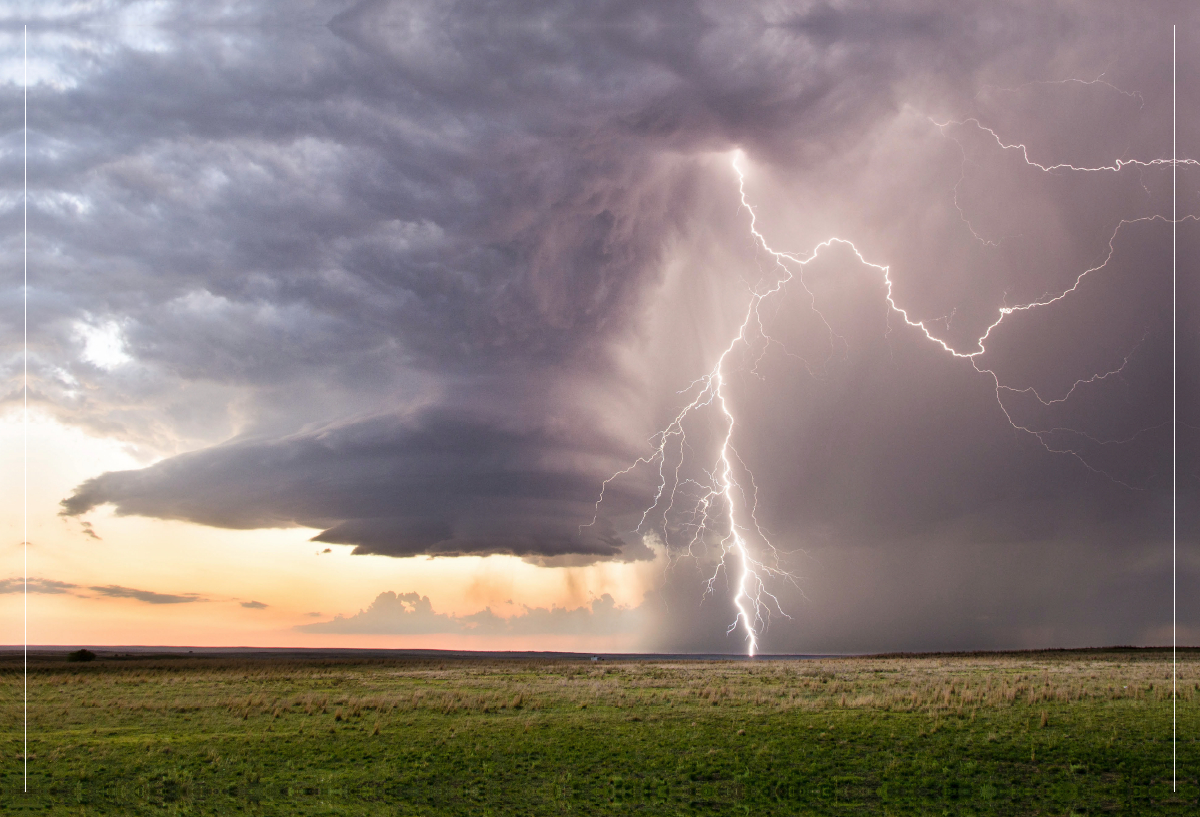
(1053, 732)
(147, 651)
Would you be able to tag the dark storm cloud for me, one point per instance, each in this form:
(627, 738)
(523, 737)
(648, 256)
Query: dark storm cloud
(433, 483)
(413, 614)
(422, 275)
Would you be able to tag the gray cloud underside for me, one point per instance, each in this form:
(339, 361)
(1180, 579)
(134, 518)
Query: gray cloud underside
(413, 614)
(428, 484)
(422, 275)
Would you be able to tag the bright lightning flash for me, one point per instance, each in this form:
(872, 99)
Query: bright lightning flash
(719, 504)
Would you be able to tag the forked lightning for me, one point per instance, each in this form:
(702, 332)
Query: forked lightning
(719, 504)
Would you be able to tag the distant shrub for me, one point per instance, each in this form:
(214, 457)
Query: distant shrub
(81, 655)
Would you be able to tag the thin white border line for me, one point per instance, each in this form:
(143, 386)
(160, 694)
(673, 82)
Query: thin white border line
(1174, 413)
(25, 413)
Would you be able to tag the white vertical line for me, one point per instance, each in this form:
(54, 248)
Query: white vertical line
(1174, 410)
(25, 391)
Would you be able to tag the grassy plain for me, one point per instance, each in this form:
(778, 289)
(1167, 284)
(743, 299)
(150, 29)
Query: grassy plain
(1033, 733)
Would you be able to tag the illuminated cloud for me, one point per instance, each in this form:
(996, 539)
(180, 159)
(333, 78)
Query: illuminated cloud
(104, 345)
(601, 617)
(413, 614)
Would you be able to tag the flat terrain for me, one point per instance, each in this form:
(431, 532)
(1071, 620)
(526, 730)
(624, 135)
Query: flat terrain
(1068, 732)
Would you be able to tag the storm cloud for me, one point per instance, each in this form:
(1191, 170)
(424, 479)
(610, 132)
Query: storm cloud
(517, 492)
(424, 275)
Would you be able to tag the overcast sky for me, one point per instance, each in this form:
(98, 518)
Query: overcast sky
(418, 277)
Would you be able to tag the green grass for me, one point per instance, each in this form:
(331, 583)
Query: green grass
(1038, 733)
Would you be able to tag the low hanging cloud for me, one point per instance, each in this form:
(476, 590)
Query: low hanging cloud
(413, 614)
(439, 482)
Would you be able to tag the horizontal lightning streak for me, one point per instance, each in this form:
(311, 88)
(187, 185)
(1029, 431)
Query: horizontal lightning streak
(1116, 166)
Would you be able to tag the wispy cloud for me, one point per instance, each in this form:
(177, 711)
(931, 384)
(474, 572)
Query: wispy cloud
(254, 605)
(54, 587)
(148, 596)
(44, 586)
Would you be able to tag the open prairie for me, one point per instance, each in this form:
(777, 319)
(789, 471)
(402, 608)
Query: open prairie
(1068, 732)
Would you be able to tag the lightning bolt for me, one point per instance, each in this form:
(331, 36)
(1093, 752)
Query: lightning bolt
(1116, 166)
(1070, 81)
(718, 503)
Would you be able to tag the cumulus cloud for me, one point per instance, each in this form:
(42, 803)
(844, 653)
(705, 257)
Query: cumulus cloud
(413, 614)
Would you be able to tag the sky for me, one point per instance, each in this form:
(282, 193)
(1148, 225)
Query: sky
(428, 324)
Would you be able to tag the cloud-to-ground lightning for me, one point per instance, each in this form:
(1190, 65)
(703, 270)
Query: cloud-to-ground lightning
(719, 504)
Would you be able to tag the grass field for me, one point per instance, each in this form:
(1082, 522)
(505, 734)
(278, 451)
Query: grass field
(1034, 733)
